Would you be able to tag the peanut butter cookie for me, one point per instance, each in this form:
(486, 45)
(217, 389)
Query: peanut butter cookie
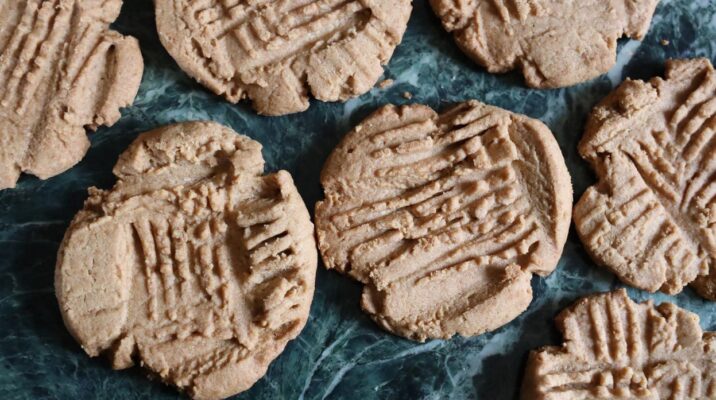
(555, 43)
(62, 71)
(276, 52)
(617, 349)
(444, 217)
(195, 265)
(651, 218)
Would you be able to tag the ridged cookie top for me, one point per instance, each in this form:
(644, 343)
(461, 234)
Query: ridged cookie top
(61, 70)
(276, 52)
(444, 218)
(194, 264)
(617, 349)
(555, 43)
(651, 219)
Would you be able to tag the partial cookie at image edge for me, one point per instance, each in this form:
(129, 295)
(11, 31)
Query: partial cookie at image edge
(649, 218)
(279, 57)
(61, 75)
(614, 347)
(554, 45)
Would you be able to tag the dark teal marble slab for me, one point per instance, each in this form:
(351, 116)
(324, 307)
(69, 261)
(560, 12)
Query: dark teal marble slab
(341, 354)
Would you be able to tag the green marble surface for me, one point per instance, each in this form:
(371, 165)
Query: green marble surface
(341, 354)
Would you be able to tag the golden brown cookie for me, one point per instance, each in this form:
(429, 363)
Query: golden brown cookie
(277, 52)
(61, 70)
(555, 43)
(651, 218)
(617, 349)
(195, 265)
(444, 217)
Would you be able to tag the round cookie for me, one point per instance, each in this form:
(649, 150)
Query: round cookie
(194, 264)
(276, 52)
(555, 43)
(61, 70)
(615, 348)
(651, 218)
(444, 217)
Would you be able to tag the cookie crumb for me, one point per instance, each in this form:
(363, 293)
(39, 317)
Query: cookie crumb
(386, 83)
(407, 95)
(665, 42)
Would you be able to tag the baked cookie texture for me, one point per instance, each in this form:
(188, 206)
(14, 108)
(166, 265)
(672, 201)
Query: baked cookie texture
(555, 43)
(615, 348)
(444, 217)
(62, 71)
(276, 52)
(651, 218)
(195, 264)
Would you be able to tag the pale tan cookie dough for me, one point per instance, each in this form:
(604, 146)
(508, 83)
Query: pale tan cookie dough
(195, 264)
(276, 52)
(617, 349)
(62, 70)
(651, 218)
(555, 43)
(444, 217)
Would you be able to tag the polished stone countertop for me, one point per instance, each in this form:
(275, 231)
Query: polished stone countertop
(341, 354)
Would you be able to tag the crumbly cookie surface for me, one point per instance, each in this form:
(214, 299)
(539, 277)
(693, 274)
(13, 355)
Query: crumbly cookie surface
(444, 217)
(278, 52)
(555, 43)
(615, 348)
(62, 70)
(195, 264)
(651, 218)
